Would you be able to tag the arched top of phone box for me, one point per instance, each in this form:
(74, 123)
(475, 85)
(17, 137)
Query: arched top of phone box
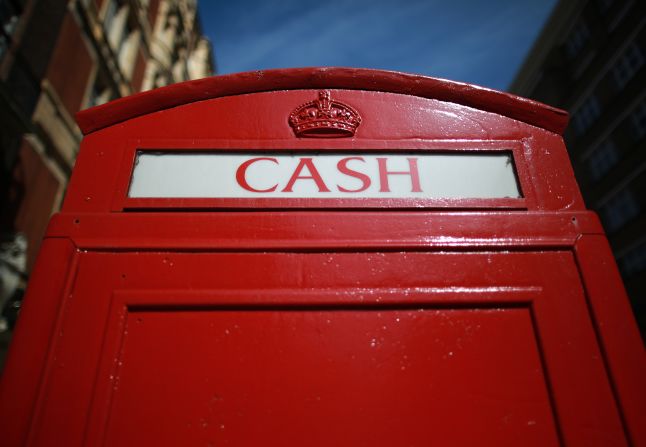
(518, 108)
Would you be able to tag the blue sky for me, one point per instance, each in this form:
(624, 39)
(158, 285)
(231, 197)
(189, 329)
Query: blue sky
(481, 42)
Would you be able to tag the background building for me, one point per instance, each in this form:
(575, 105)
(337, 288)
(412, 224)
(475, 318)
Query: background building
(589, 59)
(56, 58)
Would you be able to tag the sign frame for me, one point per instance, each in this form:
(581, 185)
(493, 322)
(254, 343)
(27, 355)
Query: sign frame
(122, 202)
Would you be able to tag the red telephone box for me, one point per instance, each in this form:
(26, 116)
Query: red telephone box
(324, 257)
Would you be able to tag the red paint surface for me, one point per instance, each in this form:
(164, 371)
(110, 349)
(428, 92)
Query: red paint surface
(366, 381)
(340, 322)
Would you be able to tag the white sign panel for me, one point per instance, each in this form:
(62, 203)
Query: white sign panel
(329, 175)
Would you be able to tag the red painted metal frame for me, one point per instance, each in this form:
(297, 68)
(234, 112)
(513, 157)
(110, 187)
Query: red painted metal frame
(579, 404)
(397, 231)
(622, 347)
(334, 231)
(548, 226)
(30, 351)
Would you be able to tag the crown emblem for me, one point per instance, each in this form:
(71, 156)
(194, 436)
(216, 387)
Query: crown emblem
(324, 117)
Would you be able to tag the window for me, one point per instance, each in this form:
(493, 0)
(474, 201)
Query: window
(602, 159)
(160, 80)
(123, 36)
(638, 121)
(110, 13)
(577, 40)
(127, 49)
(619, 209)
(619, 15)
(100, 92)
(116, 24)
(627, 65)
(586, 115)
(604, 5)
(634, 260)
(9, 14)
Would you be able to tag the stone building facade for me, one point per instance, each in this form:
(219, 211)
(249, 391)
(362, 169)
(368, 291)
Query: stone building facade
(56, 58)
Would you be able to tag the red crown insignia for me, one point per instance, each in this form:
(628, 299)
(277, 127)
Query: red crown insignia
(324, 118)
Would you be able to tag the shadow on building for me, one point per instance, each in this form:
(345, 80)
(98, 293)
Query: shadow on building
(590, 60)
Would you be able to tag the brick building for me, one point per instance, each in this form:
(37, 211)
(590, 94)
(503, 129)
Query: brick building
(56, 58)
(590, 60)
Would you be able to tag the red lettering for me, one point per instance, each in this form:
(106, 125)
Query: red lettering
(314, 175)
(342, 166)
(384, 173)
(241, 175)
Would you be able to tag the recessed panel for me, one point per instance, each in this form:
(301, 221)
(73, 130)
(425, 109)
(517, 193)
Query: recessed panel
(369, 377)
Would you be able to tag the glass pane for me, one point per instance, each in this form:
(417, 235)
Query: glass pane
(330, 175)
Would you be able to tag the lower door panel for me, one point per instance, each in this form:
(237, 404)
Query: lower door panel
(348, 349)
